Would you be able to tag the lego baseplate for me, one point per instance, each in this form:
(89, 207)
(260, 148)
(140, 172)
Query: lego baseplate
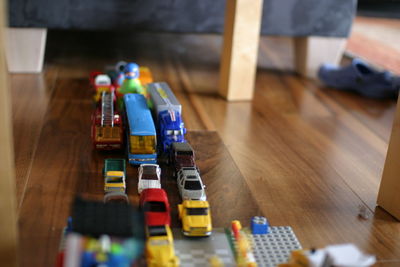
(274, 248)
(196, 252)
(269, 249)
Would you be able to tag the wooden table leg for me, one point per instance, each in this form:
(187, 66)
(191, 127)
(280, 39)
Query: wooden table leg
(389, 191)
(240, 48)
(8, 222)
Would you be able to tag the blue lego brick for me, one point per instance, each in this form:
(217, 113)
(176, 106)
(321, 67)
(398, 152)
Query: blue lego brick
(259, 225)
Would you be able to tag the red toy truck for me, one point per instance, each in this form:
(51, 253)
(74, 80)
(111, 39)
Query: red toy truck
(107, 130)
(154, 202)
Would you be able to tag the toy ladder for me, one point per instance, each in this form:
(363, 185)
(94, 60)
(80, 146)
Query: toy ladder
(107, 109)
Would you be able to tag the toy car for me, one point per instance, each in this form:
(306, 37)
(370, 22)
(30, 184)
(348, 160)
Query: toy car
(160, 250)
(182, 155)
(114, 175)
(190, 184)
(154, 203)
(196, 218)
(149, 177)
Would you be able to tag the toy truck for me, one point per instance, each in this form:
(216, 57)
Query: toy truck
(182, 155)
(107, 130)
(167, 113)
(114, 175)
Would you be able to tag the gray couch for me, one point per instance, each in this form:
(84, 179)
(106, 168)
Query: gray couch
(319, 28)
(280, 17)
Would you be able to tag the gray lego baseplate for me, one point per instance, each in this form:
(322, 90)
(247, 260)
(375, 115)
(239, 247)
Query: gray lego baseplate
(196, 252)
(274, 248)
(269, 249)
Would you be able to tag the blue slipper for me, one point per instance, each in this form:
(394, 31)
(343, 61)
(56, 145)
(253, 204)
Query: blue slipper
(360, 78)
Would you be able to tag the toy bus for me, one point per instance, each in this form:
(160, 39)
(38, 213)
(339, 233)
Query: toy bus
(141, 132)
(107, 130)
(167, 113)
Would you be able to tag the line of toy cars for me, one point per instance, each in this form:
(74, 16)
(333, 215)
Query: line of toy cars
(120, 92)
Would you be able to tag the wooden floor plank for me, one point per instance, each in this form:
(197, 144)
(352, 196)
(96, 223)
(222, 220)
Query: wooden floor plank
(30, 97)
(304, 153)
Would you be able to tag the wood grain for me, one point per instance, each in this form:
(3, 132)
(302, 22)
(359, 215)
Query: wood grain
(309, 155)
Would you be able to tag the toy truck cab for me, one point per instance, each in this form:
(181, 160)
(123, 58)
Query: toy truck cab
(182, 155)
(101, 83)
(171, 128)
(114, 175)
(196, 218)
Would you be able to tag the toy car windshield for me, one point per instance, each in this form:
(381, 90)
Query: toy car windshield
(182, 153)
(148, 176)
(193, 185)
(155, 206)
(157, 231)
(114, 179)
(197, 211)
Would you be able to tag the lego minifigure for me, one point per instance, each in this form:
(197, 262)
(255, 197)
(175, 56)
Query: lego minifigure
(131, 83)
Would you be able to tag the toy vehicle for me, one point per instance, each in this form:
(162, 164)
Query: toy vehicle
(196, 218)
(190, 184)
(160, 250)
(119, 197)
(182, 155)
(101, 83)
(107, 130)
(167, 111)
(154, 202)
(141, 132)
(114, 175)
(149, 177)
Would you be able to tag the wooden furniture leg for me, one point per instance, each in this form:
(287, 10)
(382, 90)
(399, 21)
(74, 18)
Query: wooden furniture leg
(8, 221)
(311, 52)
(25, 49)
(240, 49)
(389, 191)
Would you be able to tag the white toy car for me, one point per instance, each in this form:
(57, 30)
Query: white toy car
(149, 177)
(190, 185)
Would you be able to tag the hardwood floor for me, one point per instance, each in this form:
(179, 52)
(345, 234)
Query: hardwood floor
(309, 155)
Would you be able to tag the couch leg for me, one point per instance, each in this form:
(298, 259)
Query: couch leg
(311, 52)
(25, 49)
(388, 196)
(240, 49)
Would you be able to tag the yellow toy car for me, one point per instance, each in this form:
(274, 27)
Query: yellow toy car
(160, 250)
(196, 218)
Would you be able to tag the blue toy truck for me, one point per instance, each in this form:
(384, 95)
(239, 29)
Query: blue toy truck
(167, 113)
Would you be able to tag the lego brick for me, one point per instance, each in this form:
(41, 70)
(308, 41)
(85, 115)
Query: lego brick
(259, 225)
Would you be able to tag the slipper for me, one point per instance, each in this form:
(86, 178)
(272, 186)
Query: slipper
(361, 78)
